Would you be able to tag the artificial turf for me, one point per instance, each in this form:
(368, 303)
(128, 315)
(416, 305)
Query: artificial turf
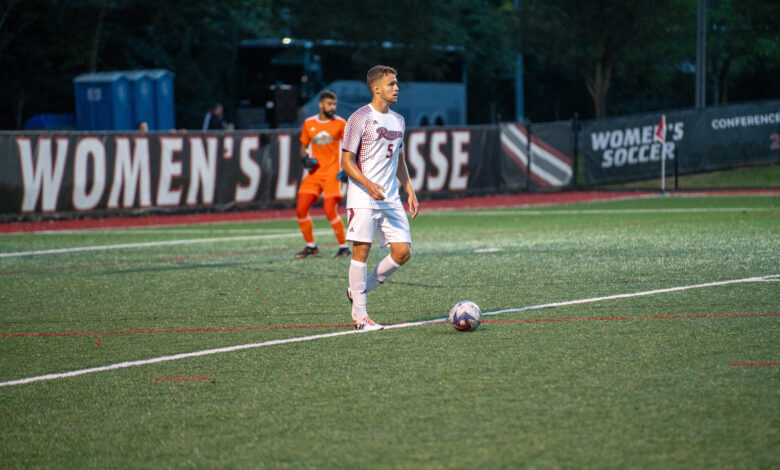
(616, 385)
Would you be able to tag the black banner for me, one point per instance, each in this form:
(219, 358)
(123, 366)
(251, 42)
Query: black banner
(623, 148)
(67, 174)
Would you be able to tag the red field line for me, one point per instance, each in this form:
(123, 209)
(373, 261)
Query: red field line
(646, 317)
(178, 379)
(512, 200)
(142, 261)
(171, 330)
(755, 364)
(345, 325)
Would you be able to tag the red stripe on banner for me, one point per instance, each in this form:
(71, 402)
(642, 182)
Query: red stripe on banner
(522, 130)
(523, 167)
(552, 150)
(755, 364)
(178, 379)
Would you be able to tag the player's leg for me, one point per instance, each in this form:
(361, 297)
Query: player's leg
(330, 204)
(305, 201)
(308, 194)
(399, 255)
(361, 234)
(393, 229)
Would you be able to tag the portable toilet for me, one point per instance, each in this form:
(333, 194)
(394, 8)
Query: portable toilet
(164, 108)
(103, 101)
(142, 94)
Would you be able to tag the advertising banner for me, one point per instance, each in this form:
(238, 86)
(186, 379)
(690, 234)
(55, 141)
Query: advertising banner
(623, 148)
(67, 174)
(550, 162)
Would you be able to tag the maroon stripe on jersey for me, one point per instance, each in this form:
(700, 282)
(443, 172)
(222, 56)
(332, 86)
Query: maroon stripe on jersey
(358, 159)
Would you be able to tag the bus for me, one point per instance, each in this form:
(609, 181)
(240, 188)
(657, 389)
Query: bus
(278, 81)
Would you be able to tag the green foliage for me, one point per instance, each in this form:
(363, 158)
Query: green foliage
(595, 57)
(45, 43)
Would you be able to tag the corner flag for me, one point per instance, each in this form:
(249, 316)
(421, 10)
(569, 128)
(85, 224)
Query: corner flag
(660, 131)
(660, 136)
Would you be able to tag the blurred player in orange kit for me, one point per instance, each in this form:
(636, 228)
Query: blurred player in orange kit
(323, 134)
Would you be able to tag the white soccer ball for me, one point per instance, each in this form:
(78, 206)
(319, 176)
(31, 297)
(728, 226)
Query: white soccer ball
(465, 316)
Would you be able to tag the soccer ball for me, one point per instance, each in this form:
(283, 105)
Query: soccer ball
(465, 316)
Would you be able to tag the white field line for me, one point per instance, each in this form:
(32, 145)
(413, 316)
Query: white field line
(207, 352)
(617, 211)
(122, 246)
(143, 231)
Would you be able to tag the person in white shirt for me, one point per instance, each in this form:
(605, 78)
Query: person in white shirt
(373, 158)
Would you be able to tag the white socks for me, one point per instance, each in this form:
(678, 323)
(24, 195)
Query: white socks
(357, 287)
(360, 286)
(381, 272)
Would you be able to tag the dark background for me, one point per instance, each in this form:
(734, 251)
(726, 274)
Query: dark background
(594, 57)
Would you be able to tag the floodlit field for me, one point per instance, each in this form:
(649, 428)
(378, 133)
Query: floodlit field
(679, 378)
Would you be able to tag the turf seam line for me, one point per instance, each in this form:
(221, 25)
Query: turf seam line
(179, 379)
(157, 243)
(301, 339)
(741, 364)
(346, 325)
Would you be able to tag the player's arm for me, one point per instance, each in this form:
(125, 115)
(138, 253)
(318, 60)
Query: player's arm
(306, 161)
(402, 173)
(350, 168)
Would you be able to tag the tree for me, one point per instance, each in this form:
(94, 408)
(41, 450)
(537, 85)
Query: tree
(741, 35)
(44, 44)
(601, 39)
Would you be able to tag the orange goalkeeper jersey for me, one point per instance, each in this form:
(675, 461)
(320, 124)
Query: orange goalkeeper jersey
(324, 138)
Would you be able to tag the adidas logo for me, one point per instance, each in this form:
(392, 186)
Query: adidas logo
(352, 229)
(376, 122)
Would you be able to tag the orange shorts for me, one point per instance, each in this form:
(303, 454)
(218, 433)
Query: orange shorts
(315, 184)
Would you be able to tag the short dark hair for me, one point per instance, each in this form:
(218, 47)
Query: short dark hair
(377, 72)
(327, 94)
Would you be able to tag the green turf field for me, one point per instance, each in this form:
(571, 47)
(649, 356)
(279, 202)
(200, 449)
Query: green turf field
(609, 391)
(767, 176)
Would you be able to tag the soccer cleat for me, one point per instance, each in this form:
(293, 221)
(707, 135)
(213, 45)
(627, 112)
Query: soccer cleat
(368, 324)
(349, 296)
(308, 251)
(343, 253)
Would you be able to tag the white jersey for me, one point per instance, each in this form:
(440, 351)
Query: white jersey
(376, 139)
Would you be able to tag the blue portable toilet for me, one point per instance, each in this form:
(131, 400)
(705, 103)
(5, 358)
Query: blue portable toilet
(164, 108)
(103, 101)
(142, 97)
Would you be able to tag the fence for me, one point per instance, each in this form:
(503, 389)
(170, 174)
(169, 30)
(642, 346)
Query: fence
(70, 174)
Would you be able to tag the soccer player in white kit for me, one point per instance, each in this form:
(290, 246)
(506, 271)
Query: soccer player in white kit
(373, 158)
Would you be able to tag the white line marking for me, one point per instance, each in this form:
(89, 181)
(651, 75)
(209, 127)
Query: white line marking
(616, 211)
(487, 250)
(156, 243)
(144, 231)
(207, 352)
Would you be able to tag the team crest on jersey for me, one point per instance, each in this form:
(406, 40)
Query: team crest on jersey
(322, 138)
(384, 133)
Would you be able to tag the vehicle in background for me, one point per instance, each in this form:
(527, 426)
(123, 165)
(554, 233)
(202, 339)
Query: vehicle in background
(278, 82)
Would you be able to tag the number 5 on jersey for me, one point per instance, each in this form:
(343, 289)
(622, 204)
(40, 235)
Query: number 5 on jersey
(389, 151)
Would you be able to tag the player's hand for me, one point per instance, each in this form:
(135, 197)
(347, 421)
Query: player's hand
(375, 191)
(414, 206)
(342, 176)
(309, 162)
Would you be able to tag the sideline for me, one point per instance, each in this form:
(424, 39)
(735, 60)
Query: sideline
(189, 241)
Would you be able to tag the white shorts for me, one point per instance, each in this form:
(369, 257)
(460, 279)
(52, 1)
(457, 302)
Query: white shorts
(388, 225)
